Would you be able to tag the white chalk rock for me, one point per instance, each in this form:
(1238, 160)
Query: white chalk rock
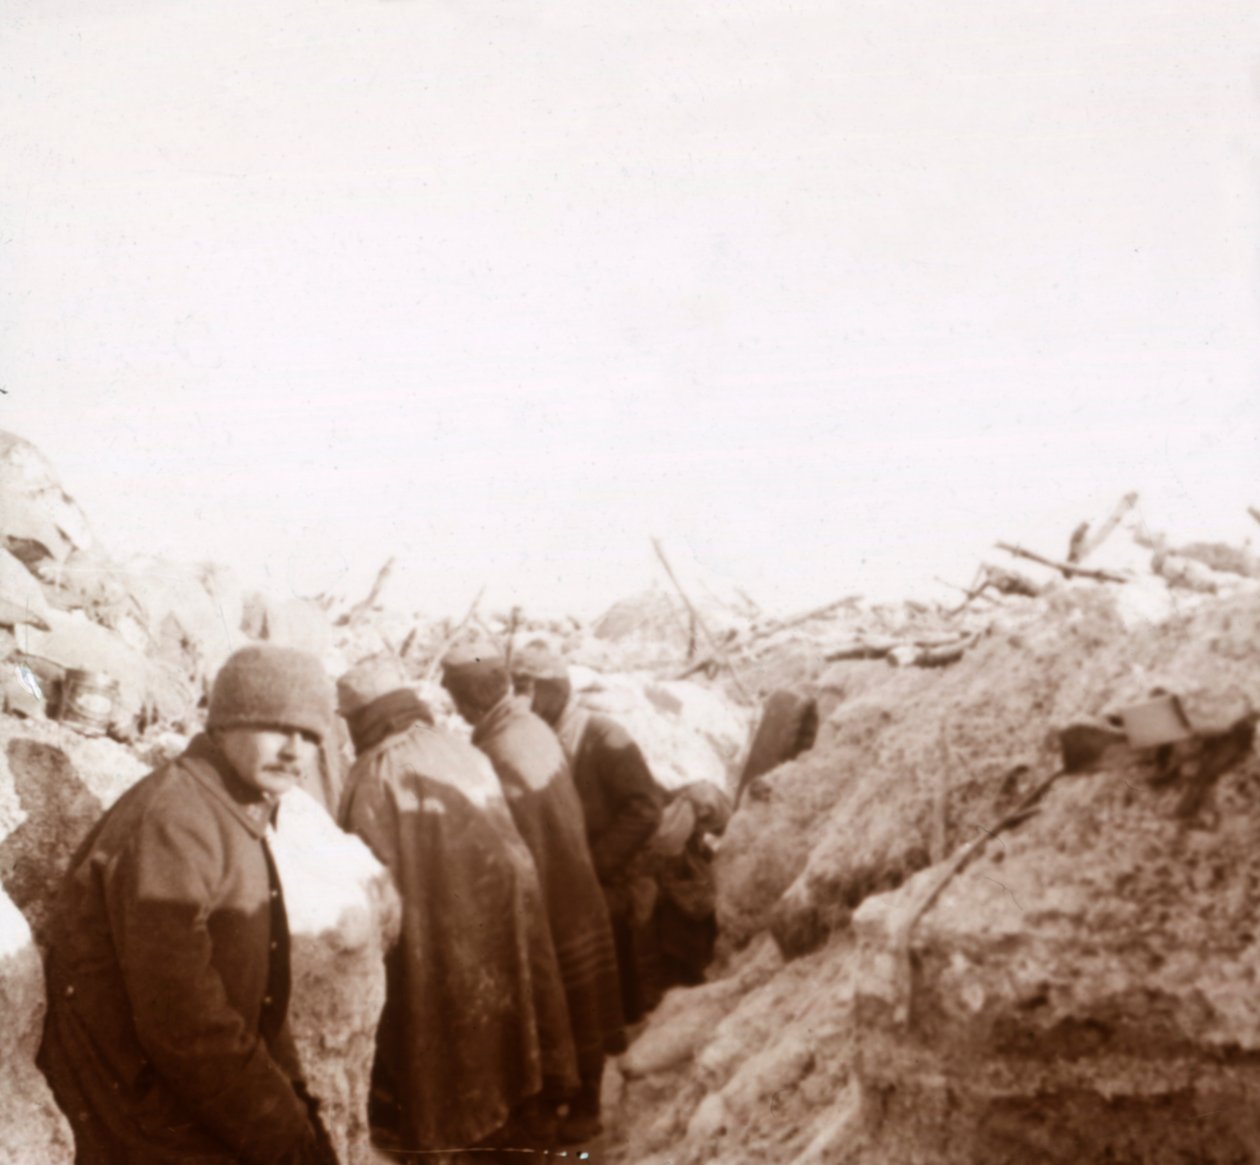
(343, 914)
(687, 732)
(32, 1128)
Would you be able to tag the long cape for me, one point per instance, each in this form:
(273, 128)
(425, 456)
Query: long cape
(535, 775)
(476, 1020)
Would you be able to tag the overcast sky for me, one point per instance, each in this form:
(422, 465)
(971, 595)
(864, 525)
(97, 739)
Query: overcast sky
(833, 293)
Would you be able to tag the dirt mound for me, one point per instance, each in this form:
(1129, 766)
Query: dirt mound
(1084, 991)
(1086, 987)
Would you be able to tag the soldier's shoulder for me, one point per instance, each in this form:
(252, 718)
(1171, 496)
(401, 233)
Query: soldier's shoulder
(163, 804)
(609, 732)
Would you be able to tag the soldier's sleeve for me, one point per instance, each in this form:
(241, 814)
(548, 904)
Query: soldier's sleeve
(158, 891)
(632, 793)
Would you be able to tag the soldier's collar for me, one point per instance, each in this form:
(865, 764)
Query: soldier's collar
(252, 808)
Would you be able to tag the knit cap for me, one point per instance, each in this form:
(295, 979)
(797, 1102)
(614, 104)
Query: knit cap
(470, 659)
(539, 662)
(266, 686)
(368, 681)
(475, 673)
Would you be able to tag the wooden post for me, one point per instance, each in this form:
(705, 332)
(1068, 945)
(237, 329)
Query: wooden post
(1091, 542)
(714, 646)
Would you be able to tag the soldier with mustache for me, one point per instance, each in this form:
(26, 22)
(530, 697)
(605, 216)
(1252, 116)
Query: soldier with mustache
(168, 973)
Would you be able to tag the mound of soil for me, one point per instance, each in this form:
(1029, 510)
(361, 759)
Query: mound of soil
(1082, 991)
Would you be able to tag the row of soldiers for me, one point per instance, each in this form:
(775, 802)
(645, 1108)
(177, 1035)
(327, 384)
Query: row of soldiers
(529, 864)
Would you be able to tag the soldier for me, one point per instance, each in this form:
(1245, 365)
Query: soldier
(475, 1037)
(168, 974)
(622, 805)
(532, 768)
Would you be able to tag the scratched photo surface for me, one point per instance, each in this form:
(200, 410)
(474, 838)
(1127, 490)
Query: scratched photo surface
(742, 526)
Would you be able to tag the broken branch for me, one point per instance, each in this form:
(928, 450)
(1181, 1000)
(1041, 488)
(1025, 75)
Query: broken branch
(1076, 544)
(795, 620)
(1089, 543)
(740, 646)
(513, 623)
(934, 655)
(714, 646)
(1067, 569)
(365, 605)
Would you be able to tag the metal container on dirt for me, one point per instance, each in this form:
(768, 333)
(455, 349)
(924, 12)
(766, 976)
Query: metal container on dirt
(1161, 720)
(87, 701)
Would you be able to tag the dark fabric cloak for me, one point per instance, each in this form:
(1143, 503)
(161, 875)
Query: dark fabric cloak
(535, 775)
(476, 1020)
(622, 805)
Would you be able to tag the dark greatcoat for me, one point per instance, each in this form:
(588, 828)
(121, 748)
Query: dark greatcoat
(622, 804)
(168, 980)
(535, 776)
(476, 1021)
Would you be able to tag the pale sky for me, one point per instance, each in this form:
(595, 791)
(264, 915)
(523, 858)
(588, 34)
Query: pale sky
(834, 293)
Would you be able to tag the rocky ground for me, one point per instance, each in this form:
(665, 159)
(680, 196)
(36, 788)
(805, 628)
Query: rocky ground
(911, 970)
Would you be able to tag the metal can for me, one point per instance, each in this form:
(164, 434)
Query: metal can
(87, 701)
(1154, 722)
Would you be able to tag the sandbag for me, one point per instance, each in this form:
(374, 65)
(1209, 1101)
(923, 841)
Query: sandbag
(22, 601)
(37, 517)
(29, 532)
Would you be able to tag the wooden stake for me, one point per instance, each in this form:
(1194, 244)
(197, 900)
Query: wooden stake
(365, 605)
(513, 622)
(714, 646)
(1091, 542)
(1076, 544)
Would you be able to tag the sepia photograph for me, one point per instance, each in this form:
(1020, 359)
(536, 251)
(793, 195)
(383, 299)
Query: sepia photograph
(652, 584)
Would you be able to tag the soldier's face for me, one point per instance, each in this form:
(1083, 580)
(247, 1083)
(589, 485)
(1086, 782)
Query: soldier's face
(271, 760)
